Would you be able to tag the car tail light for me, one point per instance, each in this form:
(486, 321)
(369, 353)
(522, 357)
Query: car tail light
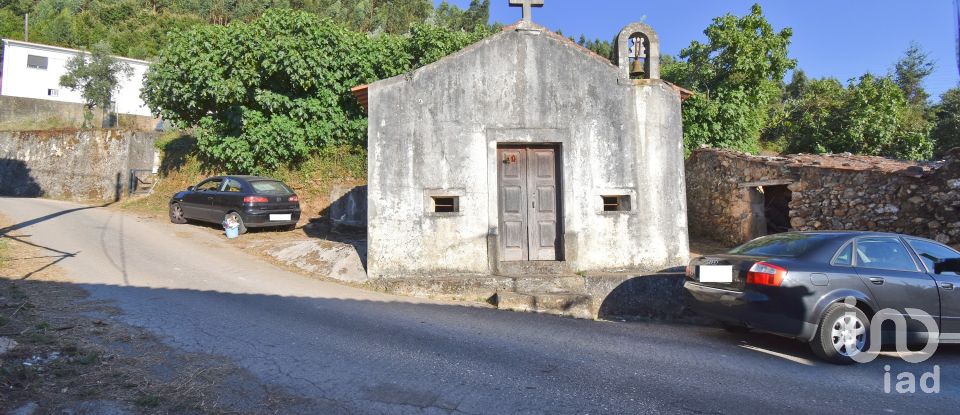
(294, 199)
(255, 199)
(763, 273)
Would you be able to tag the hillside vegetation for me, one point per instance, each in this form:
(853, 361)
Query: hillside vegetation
(139, 28)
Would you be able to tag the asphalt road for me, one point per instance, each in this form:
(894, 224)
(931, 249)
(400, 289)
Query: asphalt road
(352, 351)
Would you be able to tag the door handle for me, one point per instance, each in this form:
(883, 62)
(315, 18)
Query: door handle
(946, 285)
(876, 280)
(209, 197)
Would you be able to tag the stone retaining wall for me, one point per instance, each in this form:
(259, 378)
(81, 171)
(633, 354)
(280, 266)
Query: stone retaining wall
(840, 192)
(79, 165)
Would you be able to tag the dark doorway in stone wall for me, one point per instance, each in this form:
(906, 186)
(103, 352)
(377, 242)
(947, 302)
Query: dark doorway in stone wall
(769, 209)
(776, 208)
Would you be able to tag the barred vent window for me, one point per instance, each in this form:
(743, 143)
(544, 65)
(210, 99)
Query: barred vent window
(446, 204)
(618, 203)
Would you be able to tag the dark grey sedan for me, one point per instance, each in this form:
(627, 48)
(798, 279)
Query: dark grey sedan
(794, 285)
(251, 201)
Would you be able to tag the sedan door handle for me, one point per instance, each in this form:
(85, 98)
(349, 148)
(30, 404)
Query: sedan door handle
(876, 280)
(946, 286)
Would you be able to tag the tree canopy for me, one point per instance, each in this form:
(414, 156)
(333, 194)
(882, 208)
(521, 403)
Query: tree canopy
(138, 28)
(269, 92)
(946, 132)
(737, 74)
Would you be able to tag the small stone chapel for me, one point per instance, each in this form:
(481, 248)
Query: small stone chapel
(527, 154)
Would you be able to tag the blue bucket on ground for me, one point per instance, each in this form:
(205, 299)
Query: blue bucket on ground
(232, 232)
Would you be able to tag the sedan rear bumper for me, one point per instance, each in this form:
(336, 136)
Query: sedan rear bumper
(781, 315)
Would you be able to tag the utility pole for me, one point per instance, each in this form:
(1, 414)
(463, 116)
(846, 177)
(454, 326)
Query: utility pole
(26, 27)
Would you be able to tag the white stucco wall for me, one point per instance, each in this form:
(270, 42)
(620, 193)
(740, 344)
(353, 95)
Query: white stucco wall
(437, 129)
(19, 80)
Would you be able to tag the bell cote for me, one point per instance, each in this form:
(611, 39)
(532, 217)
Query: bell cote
(638, 52)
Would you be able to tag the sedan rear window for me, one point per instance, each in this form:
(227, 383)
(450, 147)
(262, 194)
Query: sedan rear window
(782, 245)
(270, 188)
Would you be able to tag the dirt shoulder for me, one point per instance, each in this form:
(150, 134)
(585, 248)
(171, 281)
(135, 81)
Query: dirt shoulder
(61, 352)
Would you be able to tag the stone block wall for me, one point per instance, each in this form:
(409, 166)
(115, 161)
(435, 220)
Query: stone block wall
(840, 192)
(80, 165)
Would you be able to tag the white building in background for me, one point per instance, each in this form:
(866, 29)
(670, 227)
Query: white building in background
(32, 70)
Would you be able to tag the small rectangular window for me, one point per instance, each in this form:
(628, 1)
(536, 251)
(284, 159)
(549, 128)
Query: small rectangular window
(37, 62)
(618, 203)
(446, 204)
(53, 92)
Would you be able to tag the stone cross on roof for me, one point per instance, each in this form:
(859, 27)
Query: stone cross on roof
(527, 7)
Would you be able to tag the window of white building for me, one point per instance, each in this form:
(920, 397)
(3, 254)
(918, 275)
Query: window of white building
(37, 62)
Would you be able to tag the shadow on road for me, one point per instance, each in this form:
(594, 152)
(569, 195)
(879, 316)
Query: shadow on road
(59, 255)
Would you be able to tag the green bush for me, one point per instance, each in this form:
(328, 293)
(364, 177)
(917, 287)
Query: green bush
(269, 93)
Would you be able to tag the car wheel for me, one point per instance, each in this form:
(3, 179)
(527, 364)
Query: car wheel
(176, 213)
(242, 229)
(844, 332)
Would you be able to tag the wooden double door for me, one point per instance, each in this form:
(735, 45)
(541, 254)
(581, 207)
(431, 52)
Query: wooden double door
(529, 203)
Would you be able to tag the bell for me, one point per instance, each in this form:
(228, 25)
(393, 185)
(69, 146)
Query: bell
(637, 69)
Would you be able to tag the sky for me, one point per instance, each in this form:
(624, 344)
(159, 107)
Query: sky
(840, 38)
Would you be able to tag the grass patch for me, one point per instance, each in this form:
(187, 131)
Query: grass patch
(48, 123)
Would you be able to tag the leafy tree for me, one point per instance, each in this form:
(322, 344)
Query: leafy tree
(11, 25)
(875, 121)
(373, 16)
(428, 43)
(451, 17)
(910, 71)
(797, 86)
(18, 7)
(269, 92)
(600, 47)
(946, 133)
(736, 74)
(871, 116)
(96, 75)
(814, 115)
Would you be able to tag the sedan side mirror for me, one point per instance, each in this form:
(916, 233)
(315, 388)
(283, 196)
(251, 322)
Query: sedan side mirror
(947, 265)
(191, 188)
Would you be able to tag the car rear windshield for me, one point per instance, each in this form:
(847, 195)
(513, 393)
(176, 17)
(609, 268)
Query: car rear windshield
(266, 187)
(782, 245)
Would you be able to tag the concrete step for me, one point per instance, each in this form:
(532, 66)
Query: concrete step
(562, 304)
(526, 268)
(466, 287)
(548, 284)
